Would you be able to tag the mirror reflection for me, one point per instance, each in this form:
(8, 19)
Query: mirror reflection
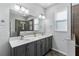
(21, 23)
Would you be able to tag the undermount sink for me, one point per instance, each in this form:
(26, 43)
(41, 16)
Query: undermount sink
(31, 37)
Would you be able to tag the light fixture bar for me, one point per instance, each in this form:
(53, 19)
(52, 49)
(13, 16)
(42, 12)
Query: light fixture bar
(21, 9)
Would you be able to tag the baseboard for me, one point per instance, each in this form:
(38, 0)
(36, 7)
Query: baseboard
(60, 51)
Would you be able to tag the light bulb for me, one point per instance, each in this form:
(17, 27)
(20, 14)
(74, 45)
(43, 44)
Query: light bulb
(17, 7)
(23, 9)
(40, 16)
(43, 17)
(26, 11)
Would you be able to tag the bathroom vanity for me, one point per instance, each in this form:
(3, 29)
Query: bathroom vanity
(31, 46)
(24, 41)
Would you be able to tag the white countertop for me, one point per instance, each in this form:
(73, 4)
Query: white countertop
(16, 41)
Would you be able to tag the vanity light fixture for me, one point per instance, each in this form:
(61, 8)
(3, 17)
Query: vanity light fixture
(26, 11)
(17, 7)
(21, 9)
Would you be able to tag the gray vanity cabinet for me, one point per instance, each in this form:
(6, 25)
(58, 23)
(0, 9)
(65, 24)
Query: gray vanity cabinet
(19, 51)
(30, 49)
(38, 48)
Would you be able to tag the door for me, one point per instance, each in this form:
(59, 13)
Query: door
(19, 51)
(43, 47)
(47, 48)
(75, 26)
(30, 49)
(38, 48)
(75, 14)
(50, 42)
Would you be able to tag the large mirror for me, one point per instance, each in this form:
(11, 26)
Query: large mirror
(20, 23)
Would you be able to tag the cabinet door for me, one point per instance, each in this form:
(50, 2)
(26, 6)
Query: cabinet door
(19, 51)
(50, 42)
(43, 46)
(47, 48)
(38, 48)
(30, 49)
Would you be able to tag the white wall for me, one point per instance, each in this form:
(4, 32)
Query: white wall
(4, 27)
(62, 40)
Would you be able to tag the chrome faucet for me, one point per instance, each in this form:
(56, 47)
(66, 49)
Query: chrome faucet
(34, 34)
(22, 37)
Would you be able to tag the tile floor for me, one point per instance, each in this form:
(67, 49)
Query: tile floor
(54, 53)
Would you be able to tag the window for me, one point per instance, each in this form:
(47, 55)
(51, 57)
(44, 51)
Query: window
(36, 24)
(61, 20)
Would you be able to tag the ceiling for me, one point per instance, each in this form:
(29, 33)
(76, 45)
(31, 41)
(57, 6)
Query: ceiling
(46, 5)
